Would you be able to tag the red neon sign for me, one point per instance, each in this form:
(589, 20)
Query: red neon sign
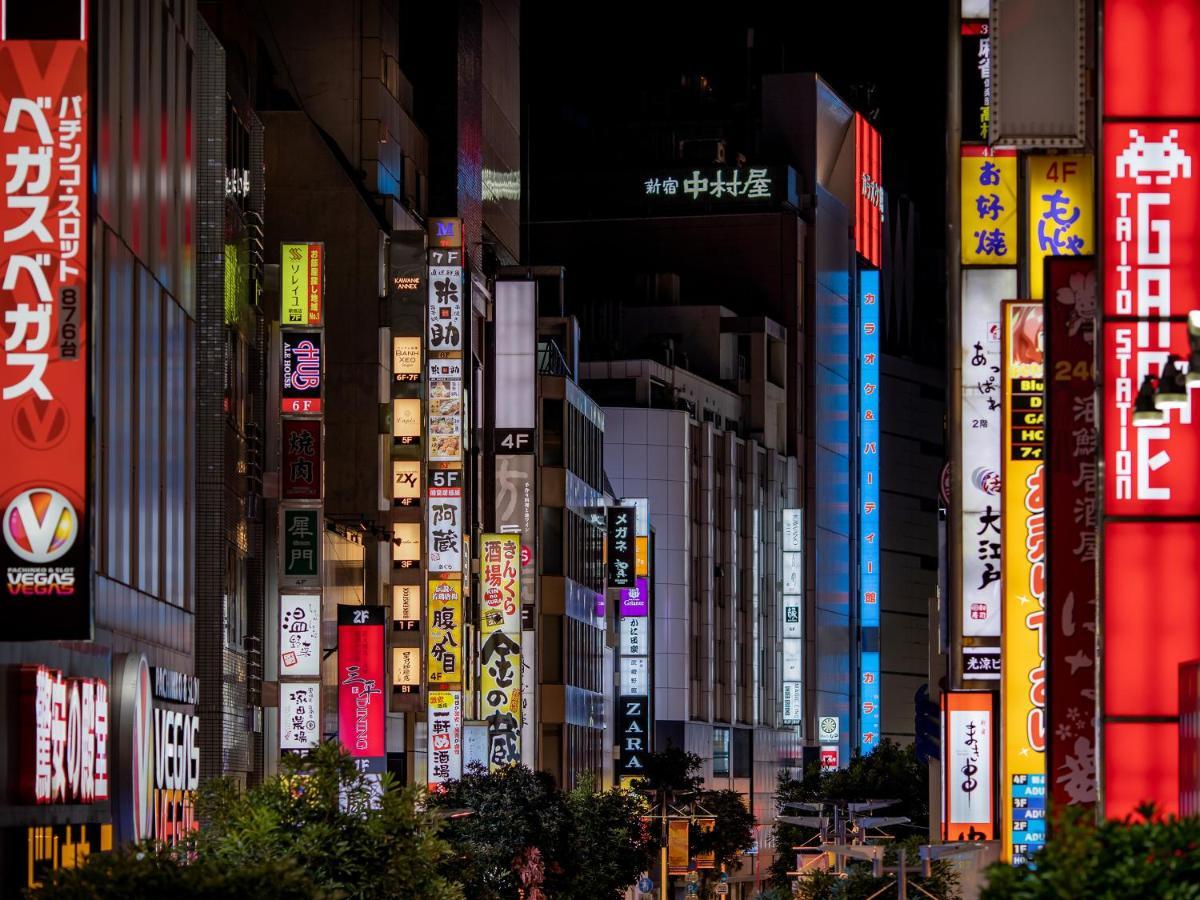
(44, 164)
(868, 187)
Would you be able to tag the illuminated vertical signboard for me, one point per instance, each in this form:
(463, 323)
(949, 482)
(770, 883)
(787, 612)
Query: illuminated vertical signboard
(44, 357)
(361, 679)
(445, 741)
(792, 546)
(870, 199)
(982, 293)
(301, 372)
(969, 751)
(629, 536)
(500, 653)
(1060, 212)
(869, 718)
(989, 207)
(302, 285)
(1150, 538)
(1023, 635)
(443, 557)
(976, 85)
(515, 395)
(1071, 520)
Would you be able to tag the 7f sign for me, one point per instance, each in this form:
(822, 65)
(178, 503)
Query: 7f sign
(44, 158)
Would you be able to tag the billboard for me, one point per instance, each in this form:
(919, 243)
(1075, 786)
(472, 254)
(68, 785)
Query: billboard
(301, 535)
(870, 200)
(622, 546)
(1071, 523)
(445, 324)
(44, 357)
(445, 388)
(406, 670)
(633, 731)
(516, 365)
(406, 482)
(444, 521)
(301, 374)
(300, 635)
(1023, 635)
(982, 293)
(1060, 211)
(406, 607)
(299, 715)
(301, 284)
(406, 358)
(444, 657)
(969, 772)
(362, 674)
(989, 207)
(500, 655)
(975, 88)
(869, 384)
(445, 738)
(301, 475)
(500, 583)
(791, 539)
(1150, 532)
(61, 737)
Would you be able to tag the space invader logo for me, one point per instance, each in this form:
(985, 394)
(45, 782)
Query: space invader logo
(1161, 161)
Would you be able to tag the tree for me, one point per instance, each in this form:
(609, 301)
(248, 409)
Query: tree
(320, 812)
(890, 772)
(611, 844)
(1147, 856)
(318, 829)
(515, 838)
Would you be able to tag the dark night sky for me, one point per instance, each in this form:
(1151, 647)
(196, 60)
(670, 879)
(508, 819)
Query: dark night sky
(589, 82)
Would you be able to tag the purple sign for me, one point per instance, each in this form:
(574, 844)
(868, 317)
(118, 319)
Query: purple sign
(635, 601)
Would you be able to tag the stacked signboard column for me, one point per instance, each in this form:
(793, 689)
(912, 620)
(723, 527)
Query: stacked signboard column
(442, 554)
(301, 492)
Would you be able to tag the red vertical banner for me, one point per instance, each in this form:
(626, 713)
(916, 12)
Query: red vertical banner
(869, 200)
(1071, 521)
(44, 338)
(362, 701)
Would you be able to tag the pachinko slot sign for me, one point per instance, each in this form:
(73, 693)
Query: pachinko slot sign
(44, 338)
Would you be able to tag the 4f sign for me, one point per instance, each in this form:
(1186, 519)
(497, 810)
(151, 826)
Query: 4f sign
(515, 440)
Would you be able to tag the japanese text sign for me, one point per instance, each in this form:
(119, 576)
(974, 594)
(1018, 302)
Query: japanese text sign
(500, 583)
(969, 766)
(444, 657)
(445, 738)
(622, 546)
(299, 715)
(301, 534)
(362, 706)
(301, 476)
(301, 284)
(62, 754)
(44, 359)
(1060, 211)
(1023, 636)
(1071, 528)
(299, 635)
(989, 207)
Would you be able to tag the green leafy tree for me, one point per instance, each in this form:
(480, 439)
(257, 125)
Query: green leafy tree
(318, 829)
(515, 838)
(1148, 856)
(891, 772)
(611, 845)
(149, 871)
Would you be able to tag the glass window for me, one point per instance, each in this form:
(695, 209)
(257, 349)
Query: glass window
(720, 752)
